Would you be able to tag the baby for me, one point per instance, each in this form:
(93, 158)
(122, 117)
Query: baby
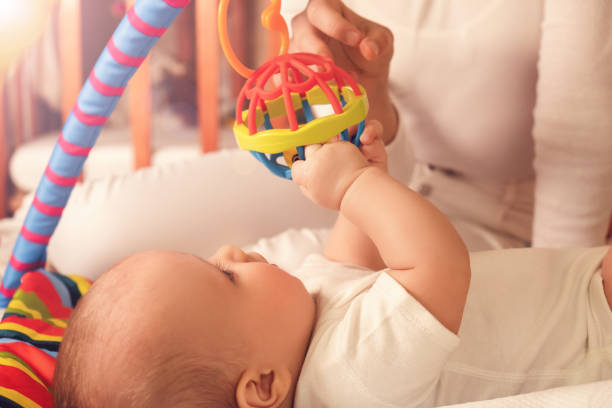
(167, 329)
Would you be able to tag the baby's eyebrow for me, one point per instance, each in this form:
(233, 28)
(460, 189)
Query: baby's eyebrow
(200, 258)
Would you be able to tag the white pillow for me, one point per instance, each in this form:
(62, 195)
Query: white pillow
(195, 206)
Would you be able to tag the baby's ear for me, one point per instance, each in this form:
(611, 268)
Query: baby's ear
(263, 388)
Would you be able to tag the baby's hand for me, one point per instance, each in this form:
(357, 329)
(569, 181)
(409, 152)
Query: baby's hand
(328, 172)
(372, 145)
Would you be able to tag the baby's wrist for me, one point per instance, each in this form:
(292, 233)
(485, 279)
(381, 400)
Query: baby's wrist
(358, 189)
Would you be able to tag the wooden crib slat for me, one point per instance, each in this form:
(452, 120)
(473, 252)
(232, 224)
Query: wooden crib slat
(71, 53)
(140, 115)
(3, 154)
(207, 60)
(17, 131)
(140, 105)
(238, 34)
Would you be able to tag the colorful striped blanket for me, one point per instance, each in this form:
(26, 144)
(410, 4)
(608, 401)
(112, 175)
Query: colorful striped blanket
(30, 334)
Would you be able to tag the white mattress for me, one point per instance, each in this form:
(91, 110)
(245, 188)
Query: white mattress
(112, 155)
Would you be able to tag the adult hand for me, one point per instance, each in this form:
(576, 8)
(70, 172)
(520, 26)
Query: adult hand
(362, 47)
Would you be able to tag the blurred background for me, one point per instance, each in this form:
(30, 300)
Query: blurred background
(180, 103)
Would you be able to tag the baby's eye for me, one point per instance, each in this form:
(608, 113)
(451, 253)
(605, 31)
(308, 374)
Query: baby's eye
(223, 267)
(227, 273)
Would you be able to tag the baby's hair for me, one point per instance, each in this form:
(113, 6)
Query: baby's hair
(172, 378)
(193, 383)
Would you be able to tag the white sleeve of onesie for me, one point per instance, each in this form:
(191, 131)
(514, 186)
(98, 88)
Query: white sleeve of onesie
(386, 351)
(573, 125)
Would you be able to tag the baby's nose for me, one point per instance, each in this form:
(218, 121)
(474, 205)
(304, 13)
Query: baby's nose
(256, 257)
(232, 253)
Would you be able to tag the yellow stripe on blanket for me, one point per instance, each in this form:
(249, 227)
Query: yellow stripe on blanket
(17, 305)
(82, 283)
(61, 323)
(34, 335)
(12, 362)
(18, 397)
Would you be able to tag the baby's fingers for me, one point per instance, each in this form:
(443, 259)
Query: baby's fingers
(299, 168)
(373, 130)
(311, 149)
(372, 145)
(297, 172)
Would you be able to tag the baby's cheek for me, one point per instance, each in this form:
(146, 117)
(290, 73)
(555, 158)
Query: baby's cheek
(606, 274)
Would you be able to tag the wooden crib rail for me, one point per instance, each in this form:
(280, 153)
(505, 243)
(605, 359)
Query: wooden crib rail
(207, 60)
(71, 53)
(140, 105)
(3, 154)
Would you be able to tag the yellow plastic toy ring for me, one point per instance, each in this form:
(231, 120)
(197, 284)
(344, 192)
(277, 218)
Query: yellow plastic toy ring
(319, 130)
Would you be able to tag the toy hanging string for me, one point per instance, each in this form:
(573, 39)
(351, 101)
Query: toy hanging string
(271, 19)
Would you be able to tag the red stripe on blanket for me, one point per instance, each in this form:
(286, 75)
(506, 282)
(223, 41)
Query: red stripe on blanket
(60, 180)
(71, 148)
(40, 362)
(121, 57)
(34, 237)
(177, 3)
(23, 266)
(87, 119)
(15, 379)
(39, 326)
(144, 27)
(6, 291)
(103, 88)
(40, 284)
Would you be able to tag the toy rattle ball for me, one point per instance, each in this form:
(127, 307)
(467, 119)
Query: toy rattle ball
(284, 89)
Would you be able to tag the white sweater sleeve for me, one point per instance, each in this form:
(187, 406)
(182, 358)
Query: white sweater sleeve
(573, 125)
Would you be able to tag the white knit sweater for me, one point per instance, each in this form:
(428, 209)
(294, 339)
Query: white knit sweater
(505, 91)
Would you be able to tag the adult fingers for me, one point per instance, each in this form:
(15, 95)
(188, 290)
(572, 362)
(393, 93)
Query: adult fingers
(307, 38)
(378, 41)
(327, 16)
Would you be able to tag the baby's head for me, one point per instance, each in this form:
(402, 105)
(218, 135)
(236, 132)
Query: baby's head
(170, 329)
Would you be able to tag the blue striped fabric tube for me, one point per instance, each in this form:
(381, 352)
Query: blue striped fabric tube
(137, 33)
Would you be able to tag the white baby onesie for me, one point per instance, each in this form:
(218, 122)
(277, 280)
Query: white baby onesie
(534, 319)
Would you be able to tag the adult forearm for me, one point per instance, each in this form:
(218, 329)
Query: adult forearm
(573, 125)
(382, 109)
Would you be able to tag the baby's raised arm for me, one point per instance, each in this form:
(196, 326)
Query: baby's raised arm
(419, 245)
